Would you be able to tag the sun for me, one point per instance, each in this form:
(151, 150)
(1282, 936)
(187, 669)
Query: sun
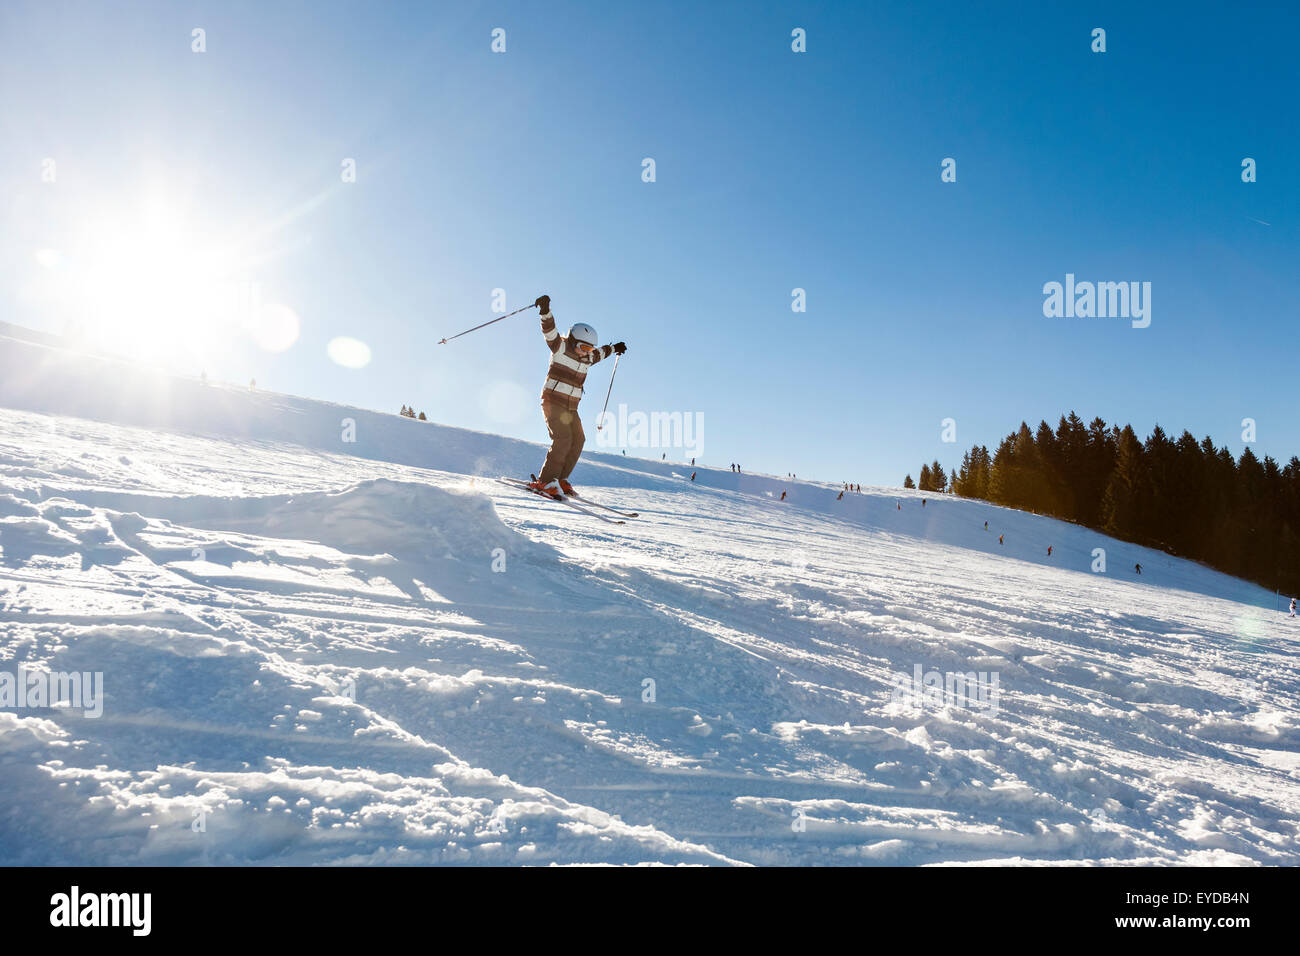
(145, 281)
(146, 285)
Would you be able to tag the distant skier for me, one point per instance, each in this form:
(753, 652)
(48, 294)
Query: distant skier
(1049, 550)
(986, 526)
(692, 462)
(922, 502)
(692, 476)
(571, 356)
(840, 496)
(999, 539)
(1293, 607)
(1137, 568)
(783, 496)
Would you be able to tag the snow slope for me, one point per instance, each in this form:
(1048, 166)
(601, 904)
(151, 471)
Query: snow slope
(323, 651)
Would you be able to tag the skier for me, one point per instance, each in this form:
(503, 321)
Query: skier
(986, 526)
(1137, 568)
(571, 356)
(692, 476)
(999, 539)
(840, 497)
(783, 496)
(1293, 607)
(1049, 550)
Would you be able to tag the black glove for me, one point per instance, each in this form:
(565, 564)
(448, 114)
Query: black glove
(543, 304)
(619, 348)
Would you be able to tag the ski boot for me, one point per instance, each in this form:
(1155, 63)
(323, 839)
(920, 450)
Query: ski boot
(567, 488)
(551, 489)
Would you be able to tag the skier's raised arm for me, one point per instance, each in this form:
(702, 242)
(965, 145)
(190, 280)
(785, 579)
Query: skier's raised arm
(553, 338)
(605, 351)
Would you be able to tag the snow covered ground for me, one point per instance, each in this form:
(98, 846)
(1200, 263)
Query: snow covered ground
(316, 650)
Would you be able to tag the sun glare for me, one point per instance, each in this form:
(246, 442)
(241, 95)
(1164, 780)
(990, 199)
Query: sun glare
(143, 288)
(149, 285)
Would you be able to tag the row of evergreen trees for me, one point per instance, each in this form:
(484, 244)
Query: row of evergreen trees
(932, 479)
(1188, 498)
(410, 413)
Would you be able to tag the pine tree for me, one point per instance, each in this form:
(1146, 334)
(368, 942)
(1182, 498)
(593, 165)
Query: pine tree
(1050, 491)
(908, 483)
(1016, 479)
(1247, 511)
(938, 477)
(1029, 466)
(1126, 489)
(1072, 452)
(1159, 522)
(1003, 483)
(1099, 462)
(961, 483)
(1184, 495)
(982, 473)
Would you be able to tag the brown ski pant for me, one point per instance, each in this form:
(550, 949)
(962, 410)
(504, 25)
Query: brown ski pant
(567, 439)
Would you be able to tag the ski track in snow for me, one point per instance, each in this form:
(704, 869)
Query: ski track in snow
(308, 658)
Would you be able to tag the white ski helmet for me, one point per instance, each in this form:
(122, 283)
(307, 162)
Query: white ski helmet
(582, 332)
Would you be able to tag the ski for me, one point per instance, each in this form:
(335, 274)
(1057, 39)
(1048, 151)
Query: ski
(596, 504)
(516, 483)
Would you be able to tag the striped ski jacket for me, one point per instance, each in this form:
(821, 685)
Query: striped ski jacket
(568, 369)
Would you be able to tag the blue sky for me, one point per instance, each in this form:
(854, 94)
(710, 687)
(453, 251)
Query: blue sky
(775, 170)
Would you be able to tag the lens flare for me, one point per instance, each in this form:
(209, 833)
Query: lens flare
(348, 352)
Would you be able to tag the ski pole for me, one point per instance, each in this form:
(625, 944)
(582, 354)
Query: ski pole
(531, 305)
(611, 388)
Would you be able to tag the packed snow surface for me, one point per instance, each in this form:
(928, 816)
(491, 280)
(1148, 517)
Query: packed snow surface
(322, 650)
